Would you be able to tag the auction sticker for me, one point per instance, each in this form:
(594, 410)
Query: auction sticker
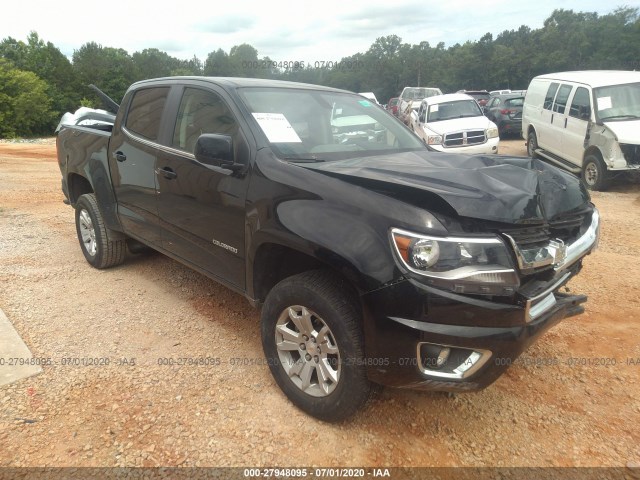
(277, 128)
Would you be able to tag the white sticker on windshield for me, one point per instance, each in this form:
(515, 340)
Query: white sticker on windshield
(277, 128)
(434, 108)
(604, 103)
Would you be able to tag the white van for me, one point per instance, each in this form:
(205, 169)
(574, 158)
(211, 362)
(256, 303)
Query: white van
(587, 122)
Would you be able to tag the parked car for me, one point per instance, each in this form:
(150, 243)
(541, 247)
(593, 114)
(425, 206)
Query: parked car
(349, 123)
(506, 112)
(587, 122)
(392, 106)
(499, 92)
(455, 123)
(480, 96)
(373, 259)
(411, 97)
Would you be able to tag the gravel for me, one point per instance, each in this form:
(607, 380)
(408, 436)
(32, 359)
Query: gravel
(138, 411)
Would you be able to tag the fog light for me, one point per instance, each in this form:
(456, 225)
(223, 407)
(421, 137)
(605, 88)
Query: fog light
(446, 361)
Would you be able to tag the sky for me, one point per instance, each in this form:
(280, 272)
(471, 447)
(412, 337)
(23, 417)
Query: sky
(325, 30)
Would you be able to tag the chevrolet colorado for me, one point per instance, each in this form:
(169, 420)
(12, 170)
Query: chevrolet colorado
(374, 260)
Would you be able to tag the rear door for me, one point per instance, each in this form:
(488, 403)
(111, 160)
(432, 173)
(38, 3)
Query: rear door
(543, 125)
(133, 151)
(202, 207)
(560, 111)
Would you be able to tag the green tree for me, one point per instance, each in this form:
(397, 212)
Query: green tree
(218, 64)
(111, 69)
(153, 63)
(25, 106)
(243, 59)
(48, 63)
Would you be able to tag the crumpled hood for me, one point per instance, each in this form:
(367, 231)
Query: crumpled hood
(457, 124)
(515, 190)
(626, 131)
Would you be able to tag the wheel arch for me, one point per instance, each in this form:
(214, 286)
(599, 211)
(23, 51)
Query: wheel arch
(78, 185)
(272, 262)
(593, 150)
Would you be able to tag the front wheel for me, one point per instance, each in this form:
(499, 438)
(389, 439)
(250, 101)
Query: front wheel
(313, 342)
(594, 173)
(99, 247)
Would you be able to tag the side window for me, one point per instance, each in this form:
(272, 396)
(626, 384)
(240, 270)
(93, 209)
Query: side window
(201, 112)
(561, 99)
(145, 112)
(581, 104)
(551, 93)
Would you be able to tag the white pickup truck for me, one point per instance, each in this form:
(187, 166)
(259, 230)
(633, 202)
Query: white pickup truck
(410, 99)
(454, 123)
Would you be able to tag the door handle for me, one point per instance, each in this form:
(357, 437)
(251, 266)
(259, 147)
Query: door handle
(565, 123)
(121, 157)
(167, 173)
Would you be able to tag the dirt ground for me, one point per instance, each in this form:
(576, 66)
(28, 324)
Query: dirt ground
(107, 397)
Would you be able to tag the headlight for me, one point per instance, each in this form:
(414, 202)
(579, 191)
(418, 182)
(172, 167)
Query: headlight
(434, 139)
(463, 265)
(492, 132)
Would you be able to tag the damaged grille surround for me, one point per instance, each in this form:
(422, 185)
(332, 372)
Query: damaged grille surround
(557, 245)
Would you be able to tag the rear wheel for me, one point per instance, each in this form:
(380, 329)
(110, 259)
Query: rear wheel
(97, 242)
(594, 173)
(532, 144)
(313, 342)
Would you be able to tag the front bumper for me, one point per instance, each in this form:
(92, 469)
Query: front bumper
(510, 126)
(405, 320)
(490, 146)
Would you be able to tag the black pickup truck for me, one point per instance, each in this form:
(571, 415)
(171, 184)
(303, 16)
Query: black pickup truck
(374, 260)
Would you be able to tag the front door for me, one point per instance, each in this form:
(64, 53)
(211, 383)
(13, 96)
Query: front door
(202, 207)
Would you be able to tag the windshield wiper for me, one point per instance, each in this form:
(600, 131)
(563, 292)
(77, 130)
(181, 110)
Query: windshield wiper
(619, 116)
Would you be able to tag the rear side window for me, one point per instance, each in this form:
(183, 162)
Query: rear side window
(145, 112)
(581, 101)
(551, 93)
(561, 100)
(514, 102)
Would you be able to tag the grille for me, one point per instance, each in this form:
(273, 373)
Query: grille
(565, 227)
(467, 137)
(631, 153)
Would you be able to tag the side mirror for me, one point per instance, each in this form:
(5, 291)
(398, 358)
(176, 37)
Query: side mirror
(584, 112)
(216, 150)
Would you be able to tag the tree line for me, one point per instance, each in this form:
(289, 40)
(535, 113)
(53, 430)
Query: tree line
(38, 83)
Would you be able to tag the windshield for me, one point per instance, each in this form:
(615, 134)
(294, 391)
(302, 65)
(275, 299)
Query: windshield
(618, 102)
(316, 125)
(456, 109)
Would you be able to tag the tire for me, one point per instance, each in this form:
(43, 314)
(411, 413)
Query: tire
(320, 362)
(532, 144)
(594, 173)
(97, 242)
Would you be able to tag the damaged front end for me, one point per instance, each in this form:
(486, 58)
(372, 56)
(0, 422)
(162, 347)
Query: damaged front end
(472, 300)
